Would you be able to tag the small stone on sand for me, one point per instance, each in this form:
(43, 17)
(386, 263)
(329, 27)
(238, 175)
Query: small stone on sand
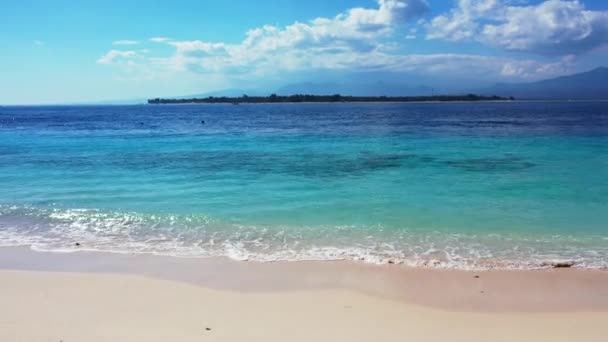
(559, 263)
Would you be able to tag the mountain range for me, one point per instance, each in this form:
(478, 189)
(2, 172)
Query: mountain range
(356, 89)
(590, 85)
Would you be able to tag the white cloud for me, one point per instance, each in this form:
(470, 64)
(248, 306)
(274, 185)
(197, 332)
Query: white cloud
(159, 39)
(114, 56)
(322, 42)
(475, 66)
(412, 34)
(125, 42)
(530, 69)
(405, 10)
(551, 27)
(268, 60)
(460, 23)
(356, 40)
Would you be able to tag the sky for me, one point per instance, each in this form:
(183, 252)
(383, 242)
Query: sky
(86, 51)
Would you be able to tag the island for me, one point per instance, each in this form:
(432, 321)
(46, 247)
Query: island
(300, 98)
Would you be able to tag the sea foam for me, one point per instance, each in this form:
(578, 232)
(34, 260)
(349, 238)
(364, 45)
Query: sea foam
(73, 230)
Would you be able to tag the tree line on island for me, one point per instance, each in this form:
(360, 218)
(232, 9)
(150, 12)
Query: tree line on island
(298, 98)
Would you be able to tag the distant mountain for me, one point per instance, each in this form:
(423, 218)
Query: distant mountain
(220, 93)
(355, 89)
(590, 85)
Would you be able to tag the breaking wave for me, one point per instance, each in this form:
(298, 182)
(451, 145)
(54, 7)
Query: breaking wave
(71, 230)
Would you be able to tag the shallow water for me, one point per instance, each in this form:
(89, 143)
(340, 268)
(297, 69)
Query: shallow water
(465, 185)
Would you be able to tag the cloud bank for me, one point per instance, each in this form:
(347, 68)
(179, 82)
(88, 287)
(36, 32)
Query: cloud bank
(553, 27)
(376, 39)
(115, 56)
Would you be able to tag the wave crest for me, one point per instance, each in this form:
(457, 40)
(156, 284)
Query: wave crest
(60, 230)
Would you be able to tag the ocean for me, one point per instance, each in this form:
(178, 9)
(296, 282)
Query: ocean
(507, 185)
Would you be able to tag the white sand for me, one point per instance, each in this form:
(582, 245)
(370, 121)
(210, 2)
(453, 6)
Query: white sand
(77, 307)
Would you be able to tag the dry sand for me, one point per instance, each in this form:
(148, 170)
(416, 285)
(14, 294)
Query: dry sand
(43, 306)
(101, 297)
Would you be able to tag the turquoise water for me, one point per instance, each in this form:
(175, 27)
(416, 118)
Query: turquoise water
(464, 185)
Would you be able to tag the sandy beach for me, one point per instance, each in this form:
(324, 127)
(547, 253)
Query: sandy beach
(360, 171)
(110, 297)
(41, 306)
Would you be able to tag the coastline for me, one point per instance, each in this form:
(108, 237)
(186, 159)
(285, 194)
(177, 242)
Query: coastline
(341, 102)
(505, 291)
(301, 98)
(120, 297)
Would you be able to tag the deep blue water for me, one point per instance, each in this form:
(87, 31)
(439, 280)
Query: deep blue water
(467, 184)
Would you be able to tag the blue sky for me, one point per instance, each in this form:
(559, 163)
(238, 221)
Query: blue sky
(68, 51)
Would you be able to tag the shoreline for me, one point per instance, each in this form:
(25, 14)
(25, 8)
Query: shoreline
(321, 102)
(328, 98)
(433, 249)
(342, 256)
(543, 290)
(144, 103)
(100, 297)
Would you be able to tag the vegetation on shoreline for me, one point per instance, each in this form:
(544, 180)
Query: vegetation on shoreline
(328, 98)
